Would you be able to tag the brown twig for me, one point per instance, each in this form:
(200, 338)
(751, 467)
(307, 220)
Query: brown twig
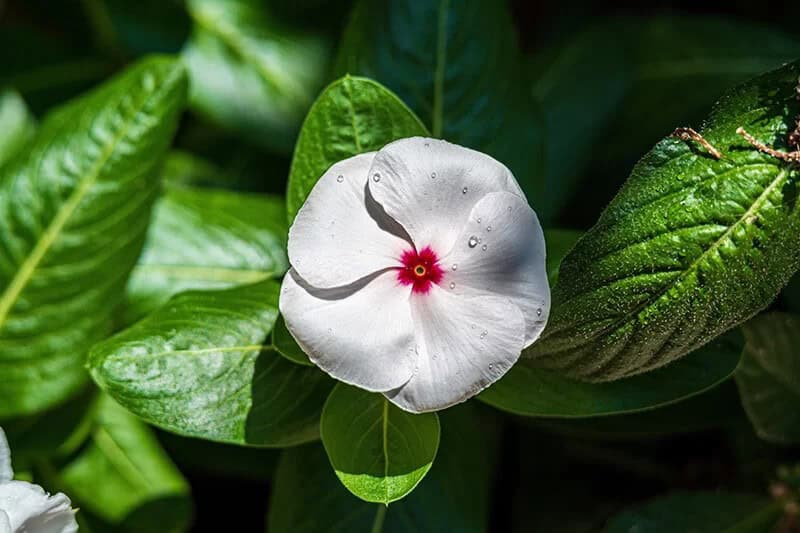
(790, 157)
(688, 134)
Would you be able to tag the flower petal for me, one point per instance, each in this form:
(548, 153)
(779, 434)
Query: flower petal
(429, 186)
(364, 336)
(6, 472)
(468, 340)
(30, 509)
(5, 523)
(336, 238)
(504, 254)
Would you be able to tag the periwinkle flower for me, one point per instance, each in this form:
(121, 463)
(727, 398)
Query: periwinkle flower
(418, 271)
(27, 508)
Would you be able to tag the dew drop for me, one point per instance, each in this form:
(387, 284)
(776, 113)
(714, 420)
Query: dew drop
(484, 333)
(454, 267)
(539, 312)
(478, 220)
(488, 228)
(427, 145)
(509, 208)
(433, 175)
(464, 190)
(472, 326)
(452, 285)
(484, 247)
(340, 178)
(473, 242)
(376, 177)
(491, 366)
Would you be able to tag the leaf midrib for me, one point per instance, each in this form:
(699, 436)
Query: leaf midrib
(53, 231)
(438, 74)
(224, 274)
(239, 47)
(751, 211)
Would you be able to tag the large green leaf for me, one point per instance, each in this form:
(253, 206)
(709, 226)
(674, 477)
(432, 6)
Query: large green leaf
(351, 116)
(198, 367)
(769, 376)
(207, 239)
(457, 65)
(455, 495)
(249, 72)
(530, 391)
(379, 451)
(700, 512)
(124, 478)
(16, 124)
(73, 216)
(690, 247)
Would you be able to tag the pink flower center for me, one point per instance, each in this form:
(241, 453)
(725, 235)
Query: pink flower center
(420, 270)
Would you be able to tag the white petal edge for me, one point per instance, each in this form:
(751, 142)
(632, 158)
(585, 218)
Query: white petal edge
(468, 340)
(420, 182)
(5, 523)
(31, 510)
(364, 339)
(333, 240)
(509, 260)
(6, 472)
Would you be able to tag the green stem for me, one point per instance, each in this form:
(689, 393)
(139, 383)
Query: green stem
(380, 516)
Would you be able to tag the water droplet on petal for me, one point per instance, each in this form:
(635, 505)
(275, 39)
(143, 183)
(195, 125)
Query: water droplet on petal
(484, 247)
(340, 178)
(484, 333)
(464, 190)
(488, 228)
(433, 175)
(454, 267)
(472, 242)
(452, 285)
(376, 177)
(509, 208)
(478, 220)
(539, 312)
(491, 366)
(427, 145)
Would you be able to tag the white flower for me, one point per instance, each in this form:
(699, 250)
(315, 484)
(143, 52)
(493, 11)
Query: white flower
(417, 271)
(27, 508)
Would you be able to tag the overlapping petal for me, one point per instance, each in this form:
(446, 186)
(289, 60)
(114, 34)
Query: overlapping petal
(30, 509)
(468, 339)
(429, 186)
(501, 250)
(362, 335)
(336, 238)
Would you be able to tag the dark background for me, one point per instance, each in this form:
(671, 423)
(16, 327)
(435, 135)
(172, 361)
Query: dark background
(600, 466)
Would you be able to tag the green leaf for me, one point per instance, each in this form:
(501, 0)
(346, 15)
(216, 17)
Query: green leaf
(530, 391)
(457, 65)
(769, 377)
(198, 367)
(57, 432)
(249, 72)
(353, 115)
(689, 248)
(558, 242)
(207, 239)
(123, 476)
(73, 215)
(284, 344)
(455, 495)
(700, 512)
(17, 126)
(379, 452)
